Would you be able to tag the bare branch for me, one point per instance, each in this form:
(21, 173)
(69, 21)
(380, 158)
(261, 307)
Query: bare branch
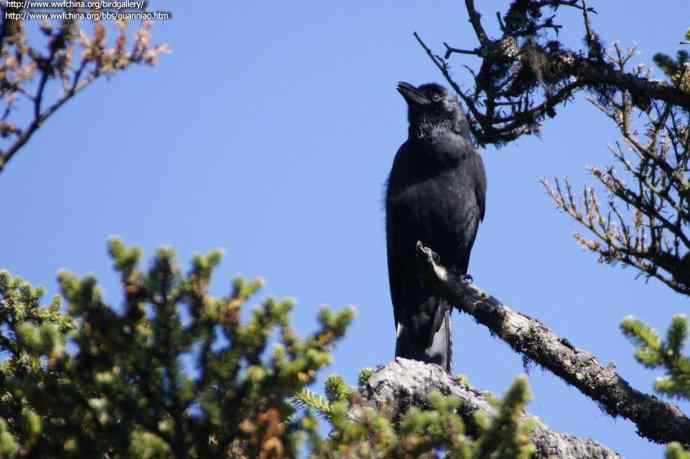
(73, 59)
(475, 20)
(655, 419)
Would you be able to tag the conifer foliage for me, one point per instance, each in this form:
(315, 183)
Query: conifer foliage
(174, 372)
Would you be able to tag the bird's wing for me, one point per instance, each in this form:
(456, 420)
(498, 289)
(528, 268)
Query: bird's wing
(395, 265)
(398, 259)
(480, 184)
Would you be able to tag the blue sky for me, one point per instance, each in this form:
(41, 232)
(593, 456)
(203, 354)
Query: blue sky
(270, 131)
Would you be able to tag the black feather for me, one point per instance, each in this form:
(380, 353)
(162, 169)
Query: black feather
(435, 194)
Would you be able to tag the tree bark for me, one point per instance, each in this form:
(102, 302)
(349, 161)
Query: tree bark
(655, 419)
(404, 383)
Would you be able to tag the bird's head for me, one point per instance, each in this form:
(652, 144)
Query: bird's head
(430, 106)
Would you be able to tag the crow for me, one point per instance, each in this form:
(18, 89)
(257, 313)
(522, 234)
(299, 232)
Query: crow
(435, 194)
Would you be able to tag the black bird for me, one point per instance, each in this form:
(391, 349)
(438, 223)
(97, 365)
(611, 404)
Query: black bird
(435, 194)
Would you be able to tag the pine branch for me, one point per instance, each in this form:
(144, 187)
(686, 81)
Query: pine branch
(652, 352)
(306, 398)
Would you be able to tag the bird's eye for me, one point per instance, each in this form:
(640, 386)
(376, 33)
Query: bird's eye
(435, 97)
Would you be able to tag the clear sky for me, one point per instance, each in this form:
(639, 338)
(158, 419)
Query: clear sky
(270, 131)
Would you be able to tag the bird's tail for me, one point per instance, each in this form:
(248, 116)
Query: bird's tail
(428, 339)
(442, 340)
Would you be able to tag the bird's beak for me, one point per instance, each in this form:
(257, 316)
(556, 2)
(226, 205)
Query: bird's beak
(412, 96)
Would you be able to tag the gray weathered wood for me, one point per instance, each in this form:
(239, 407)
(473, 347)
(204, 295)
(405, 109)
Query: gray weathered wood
(404, 383)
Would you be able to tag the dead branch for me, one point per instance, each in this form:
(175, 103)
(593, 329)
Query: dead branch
(655, 419)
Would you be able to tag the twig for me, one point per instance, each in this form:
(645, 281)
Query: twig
(500, 22)
(450, 50)
(38, 121)
(475, 20)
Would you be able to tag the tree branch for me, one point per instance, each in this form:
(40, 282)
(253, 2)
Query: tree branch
(655, 419)
(21, 62)
(41, 117)
(475, 20)
(405, 383)
(534, 76)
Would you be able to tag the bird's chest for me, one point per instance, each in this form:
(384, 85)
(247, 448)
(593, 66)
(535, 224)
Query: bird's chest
(429, 205)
